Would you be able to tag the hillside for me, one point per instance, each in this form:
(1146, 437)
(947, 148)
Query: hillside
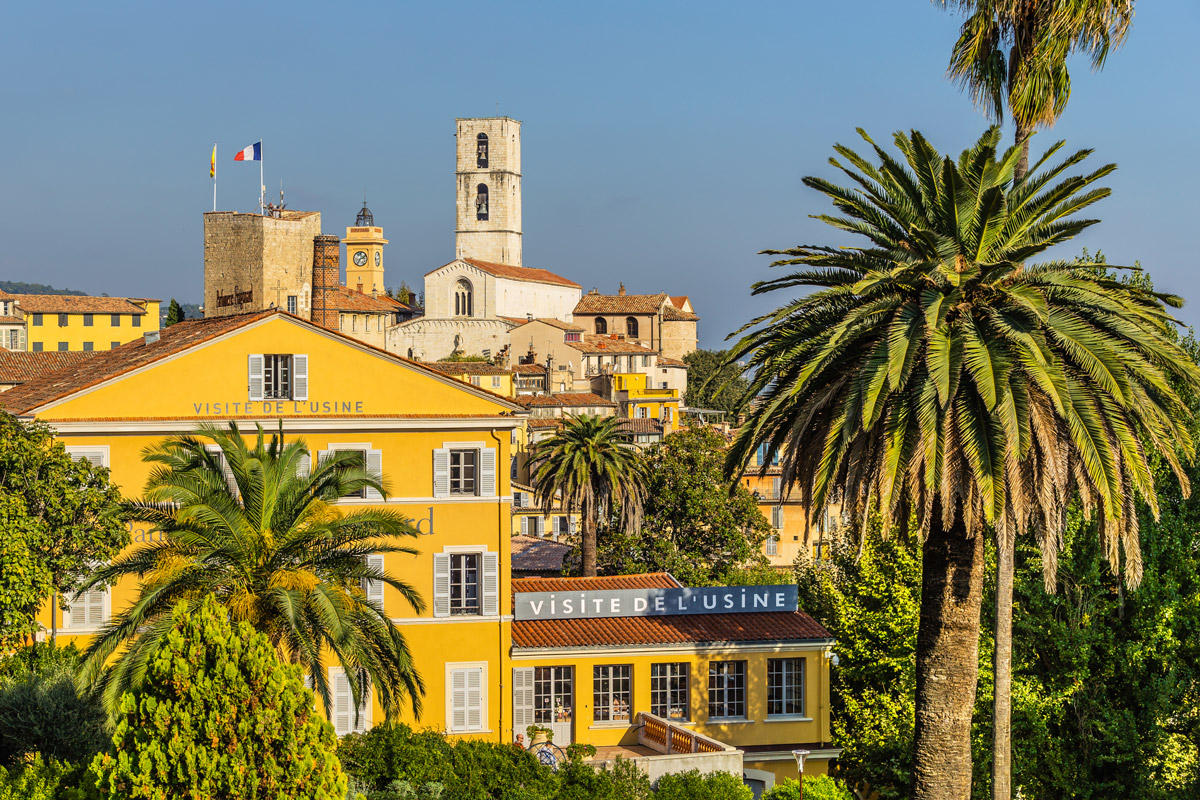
(20, 287)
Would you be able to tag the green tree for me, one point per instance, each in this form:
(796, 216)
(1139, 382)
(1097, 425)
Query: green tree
(41, 711)
(249, 523)
(219, 718)
(692, 785)
(174, 313)
(938, 374)
(590, 463)
(817, 787)
(697, 525)
(713, 382)
(63, 515)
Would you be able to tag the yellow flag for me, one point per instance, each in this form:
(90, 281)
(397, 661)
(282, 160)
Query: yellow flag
(212, 168)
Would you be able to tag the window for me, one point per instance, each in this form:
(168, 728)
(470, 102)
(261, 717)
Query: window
(553, 695)
(274, 376)
(14, 340)
(87, 347)
(669, 691)
(464, 584)
(114, 320)
(291, 304)
(481, 151)
(785, 687)
(571, 336)
(777, 517)
(481, 202)
(463, 466)
(727, 689)
(642, 412)
(475, 380)
(37, 347)
(113, 345)
(88, 610)
(62, 347)
(760, 456)
(62, 320)
(645, 361)
(533, 526)
(464, 698)
(87, 320)
(562, 526)
(136, 321)
(772, 545)
(601, 325)
(495, 381)
(348, 717)
(518, 500)
(464, 298)
(631, 327)
(611, 693)
(37, 320)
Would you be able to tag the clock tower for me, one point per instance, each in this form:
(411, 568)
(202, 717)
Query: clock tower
(364, 254)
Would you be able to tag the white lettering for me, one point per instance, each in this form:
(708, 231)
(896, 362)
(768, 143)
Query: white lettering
(614, 605)
(709, 606)
(568, 606)
(536, 607)
(660, 603)
(780, 600)
(599, 603)
(761, 600)
(679, 603)
(639, 604)
(729, 601)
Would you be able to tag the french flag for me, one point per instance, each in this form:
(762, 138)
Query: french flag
(251, 153)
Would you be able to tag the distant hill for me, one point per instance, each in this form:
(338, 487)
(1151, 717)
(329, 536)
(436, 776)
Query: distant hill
(20, 287)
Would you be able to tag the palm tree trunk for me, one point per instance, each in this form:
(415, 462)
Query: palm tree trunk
(588, 541)
(947, 660)
(1021, 139)
(1002, 675)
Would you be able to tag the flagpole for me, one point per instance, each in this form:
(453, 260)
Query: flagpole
(262, 209)
(214, 175)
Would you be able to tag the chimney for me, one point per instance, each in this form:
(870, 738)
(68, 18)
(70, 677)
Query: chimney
(529, 316)
(621, 290)
(360, 291)
(326, 279)
(150, 336)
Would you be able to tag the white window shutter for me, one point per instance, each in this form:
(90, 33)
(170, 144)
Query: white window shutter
(304, 466)
(522, 698)
(524, 526)
(491, 584)
(777, 517)
(441, 472)
(487, 478)
(255, 377)
(95, 607)
(458, 699)
(300, 377)
(374, 588)
(571, 523)
(474, 699)
(441, 584)
(375, 467)
(541, 526)
(518, 499)
(342, 702)
(776, 487)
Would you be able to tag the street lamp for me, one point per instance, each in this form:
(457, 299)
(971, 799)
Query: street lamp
(800, 756)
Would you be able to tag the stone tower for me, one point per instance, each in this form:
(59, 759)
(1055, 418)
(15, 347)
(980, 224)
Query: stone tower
(489, 190)
(364, 254)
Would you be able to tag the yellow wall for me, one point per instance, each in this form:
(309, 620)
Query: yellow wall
(101, 333)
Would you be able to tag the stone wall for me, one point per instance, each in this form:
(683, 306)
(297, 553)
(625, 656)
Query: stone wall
(498, 238)
(678, 338)
(432, 339)
(252, 262)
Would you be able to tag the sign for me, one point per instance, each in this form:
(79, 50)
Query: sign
(658, 602)
(272, 407)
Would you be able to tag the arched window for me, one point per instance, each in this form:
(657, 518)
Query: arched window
(481, 201)
(464, 300)
(631, 328)
(601, 325)
(481, 151)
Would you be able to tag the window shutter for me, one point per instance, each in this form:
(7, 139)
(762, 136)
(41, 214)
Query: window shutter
(491, 584)
(95, 607)
(441, 584)
(94, 457)
(229, 476)
(441, 472)
(522, 698)
(458, 699)
(572, 525)
(375, 467)
(341, 702)
(474, 699)
(518, 499)
(487, 477)
(524, 526)
(541, 526)
(304, 467)
(776, 487)
(760, 455)
(361, 713)
(374, 588)
(777, 517)
(255, 379)
(299, 377)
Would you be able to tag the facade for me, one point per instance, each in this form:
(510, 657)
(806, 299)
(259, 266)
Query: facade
(253, 262)
(639, 398)
(530, 519)
(488, 199)
(795, 536)
(483, 374)
(654, 321)
(548, 342)
(74, 323)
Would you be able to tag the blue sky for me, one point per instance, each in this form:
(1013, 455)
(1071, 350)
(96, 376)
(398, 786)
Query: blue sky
(664, 142)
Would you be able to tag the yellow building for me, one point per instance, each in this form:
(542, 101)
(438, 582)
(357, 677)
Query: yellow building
(530, 519)
(639, 398)
(792, 533)
(483, 374)
(78, 323)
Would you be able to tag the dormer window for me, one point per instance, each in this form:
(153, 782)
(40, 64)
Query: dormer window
(481, 151)
(570, 336)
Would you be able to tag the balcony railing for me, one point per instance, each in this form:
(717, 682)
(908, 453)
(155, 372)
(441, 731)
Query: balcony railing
(663, 736)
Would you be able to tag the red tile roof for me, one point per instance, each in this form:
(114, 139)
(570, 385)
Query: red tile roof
(517, 273)
(597, 343)
(535, 554)
(11, 321)
(564, 399)
(552, 322)
(529, 369)
(666, 361)
(764, 626)
(76, 304)
(642, 425)
(543, 422)
(350, 300)
(19, 366)
(466, 367)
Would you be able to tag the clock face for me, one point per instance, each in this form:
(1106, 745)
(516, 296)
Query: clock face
(360, 258)
(378, 257)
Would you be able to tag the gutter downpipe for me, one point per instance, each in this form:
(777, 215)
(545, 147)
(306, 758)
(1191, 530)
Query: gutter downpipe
(499, 606)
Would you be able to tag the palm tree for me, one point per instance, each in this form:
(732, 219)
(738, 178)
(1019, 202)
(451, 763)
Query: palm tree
(592, 465)
(257, 529)
(936, 375)
(1034, 81)
(1039, 35)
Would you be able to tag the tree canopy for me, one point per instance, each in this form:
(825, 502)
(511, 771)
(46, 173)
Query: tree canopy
(713, 382)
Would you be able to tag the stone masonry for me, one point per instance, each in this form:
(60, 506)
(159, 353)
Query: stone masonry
(252, 262)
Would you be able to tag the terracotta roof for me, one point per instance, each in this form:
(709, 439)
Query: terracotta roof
(516, 273)
(551, 321)
(75, 304)
(621, 303)
(19, 366)
(529, 369)
(645, 425)
(11, 321)
(350, 300)
(681, 302)
(764, 626)
(597, 343)
(466, 367)
(665, 361)
(535, 554)
(673, 314)
(564, 399)
(542, 422)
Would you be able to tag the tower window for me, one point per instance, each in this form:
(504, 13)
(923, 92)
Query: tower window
(631, 327)
(601, 325)
(481, 151)
(481, 202)
(464, 300)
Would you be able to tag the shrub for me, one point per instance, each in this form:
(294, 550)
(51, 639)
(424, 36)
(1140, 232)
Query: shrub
(41, 712)
(694, 786)
(38, 779)
(218, 717)
(818, 787)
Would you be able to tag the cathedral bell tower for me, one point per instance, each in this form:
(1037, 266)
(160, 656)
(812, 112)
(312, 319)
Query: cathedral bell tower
(489, 190)
(364, 254)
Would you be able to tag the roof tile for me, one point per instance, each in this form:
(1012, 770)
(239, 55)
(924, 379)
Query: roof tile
(19, 366)
(517, 273)
(564, 399)
(75, 304)
(597, 343)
